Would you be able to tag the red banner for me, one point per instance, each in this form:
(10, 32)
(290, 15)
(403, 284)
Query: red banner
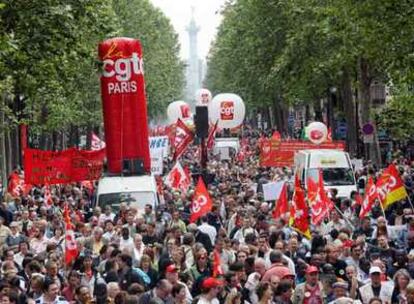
(72, 165)
(276, 153)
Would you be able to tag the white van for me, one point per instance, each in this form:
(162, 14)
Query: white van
(336, 166)
(136, 191)
(226, 147)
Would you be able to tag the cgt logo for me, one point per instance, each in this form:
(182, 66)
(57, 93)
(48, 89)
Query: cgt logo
(185, 111)
(199, 203)
(227, 110)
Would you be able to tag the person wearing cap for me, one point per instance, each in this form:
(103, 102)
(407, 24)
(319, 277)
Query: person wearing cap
(376, 288)
(311, 291)
(340, 290)
(171, 274)
(210, 288)
(277, 268)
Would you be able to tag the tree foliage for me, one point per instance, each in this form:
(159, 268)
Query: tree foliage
(279, 51)
(48, 58)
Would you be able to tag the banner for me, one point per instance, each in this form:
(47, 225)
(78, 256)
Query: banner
(159, 144)
(72, 165)
(276, 153)
(157, 162)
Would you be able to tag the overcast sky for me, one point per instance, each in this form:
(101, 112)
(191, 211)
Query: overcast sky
(206, 15)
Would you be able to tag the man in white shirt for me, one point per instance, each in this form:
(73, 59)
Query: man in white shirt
(208, 229)
(107, 215)
(138, 249)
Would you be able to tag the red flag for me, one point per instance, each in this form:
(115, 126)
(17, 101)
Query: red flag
(178, 178)
(97, 143)
(47, 195)
(329, 136)
(71, 247)
(217, 270)
(211, 136)
(276, 136)
(17, 186)
(358, 199)
(201, 203)
(390, 187)
(299, 211)
(371, 194)
(88, 185)
(319, 201)
(183, 137)
(281, 206)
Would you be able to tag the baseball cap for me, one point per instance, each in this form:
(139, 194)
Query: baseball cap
(212, 283)
(171, 268)
(311, 269)
(287, 274)
(343, 285)
(375, 269)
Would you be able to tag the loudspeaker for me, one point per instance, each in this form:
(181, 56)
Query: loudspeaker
(201, 121)
(133, 166)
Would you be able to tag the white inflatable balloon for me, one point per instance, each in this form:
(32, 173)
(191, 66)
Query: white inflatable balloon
(203, 97)
(317, 132)
(178, 110)
(228, 109)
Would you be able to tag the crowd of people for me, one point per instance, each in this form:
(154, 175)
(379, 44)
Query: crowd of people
(236, 253)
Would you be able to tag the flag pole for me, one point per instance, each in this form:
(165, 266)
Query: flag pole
(344, 217)
(410, 202)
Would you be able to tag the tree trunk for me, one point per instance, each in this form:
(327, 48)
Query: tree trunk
(372, 151)
(3, 159)
(349, 109)
(9, 151)
(270, 110)
(317, 109)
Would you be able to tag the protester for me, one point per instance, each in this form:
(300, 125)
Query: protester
(238, 251)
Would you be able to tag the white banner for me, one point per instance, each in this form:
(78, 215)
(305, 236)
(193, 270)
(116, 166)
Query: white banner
(271, 191)
(159, 143)
(157, 162)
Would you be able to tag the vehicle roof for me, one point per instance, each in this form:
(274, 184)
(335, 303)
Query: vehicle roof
(115, 184)
(321, 151)
(226, 139)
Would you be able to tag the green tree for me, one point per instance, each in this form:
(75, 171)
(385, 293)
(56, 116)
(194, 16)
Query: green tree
(164, 71)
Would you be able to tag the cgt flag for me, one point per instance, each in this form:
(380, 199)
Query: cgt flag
(390, 187)
(202, 203)
(71, 247)
(371, 194)
(183, 138)
(281, 204)
(178, 178)
(299, 211)
(211, 135)
(319, 201)
(217, 269)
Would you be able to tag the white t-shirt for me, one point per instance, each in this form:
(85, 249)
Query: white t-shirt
(210, 230)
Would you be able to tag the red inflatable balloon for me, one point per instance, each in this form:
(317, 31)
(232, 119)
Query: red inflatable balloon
(124, 103)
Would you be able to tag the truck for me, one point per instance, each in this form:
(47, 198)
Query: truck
(226, 147)
(336, 166)
(136, 191)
